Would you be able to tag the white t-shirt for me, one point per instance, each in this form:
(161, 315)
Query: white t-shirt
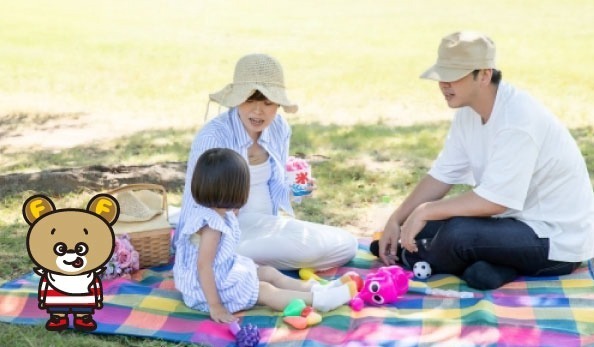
(259, 198)
(525, 159)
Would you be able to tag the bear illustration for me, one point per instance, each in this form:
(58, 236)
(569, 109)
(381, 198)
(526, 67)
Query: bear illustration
(70, 248)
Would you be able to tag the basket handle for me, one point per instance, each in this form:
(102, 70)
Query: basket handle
(140, 186)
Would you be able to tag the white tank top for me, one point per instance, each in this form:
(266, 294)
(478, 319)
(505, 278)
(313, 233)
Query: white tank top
(259, 198)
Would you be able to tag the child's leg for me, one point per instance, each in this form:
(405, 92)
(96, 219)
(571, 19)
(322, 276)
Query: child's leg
(324, 301)
(277, 279)
(277, 298)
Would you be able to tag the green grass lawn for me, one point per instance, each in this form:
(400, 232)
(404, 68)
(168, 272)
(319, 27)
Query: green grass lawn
(84, 83)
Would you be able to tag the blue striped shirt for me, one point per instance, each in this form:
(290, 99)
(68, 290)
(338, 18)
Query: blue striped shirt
(227, 131)
(235, 275)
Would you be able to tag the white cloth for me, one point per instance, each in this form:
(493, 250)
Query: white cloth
(287, 243)
(525, 159)
(259, 198)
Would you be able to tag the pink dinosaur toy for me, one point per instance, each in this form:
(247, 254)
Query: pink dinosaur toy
(384, 286)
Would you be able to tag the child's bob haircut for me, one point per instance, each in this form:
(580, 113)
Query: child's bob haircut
(221, 179)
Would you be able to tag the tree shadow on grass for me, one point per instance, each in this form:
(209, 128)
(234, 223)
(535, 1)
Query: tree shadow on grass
(369, 160)
(369, 163)
(363, 165)
(13, 124)
(141, 148)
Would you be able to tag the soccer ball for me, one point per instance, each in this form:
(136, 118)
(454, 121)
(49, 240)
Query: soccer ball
(422, 270)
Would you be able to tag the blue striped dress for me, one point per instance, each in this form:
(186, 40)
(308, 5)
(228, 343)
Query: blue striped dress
(235, 275)
(227, 131)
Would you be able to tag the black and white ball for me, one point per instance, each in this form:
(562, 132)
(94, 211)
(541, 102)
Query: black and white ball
(422, 270)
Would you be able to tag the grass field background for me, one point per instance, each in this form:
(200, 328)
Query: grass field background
(127, 82)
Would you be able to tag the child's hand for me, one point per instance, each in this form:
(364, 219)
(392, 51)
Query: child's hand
(220, 314)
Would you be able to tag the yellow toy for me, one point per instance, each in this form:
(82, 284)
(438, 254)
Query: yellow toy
(308, 273)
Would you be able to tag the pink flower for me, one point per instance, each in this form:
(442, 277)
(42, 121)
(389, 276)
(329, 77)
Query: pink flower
(124, 258)
(118, 245)
(135, 261)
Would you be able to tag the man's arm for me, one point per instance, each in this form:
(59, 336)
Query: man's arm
(467, 204)
(428, 189)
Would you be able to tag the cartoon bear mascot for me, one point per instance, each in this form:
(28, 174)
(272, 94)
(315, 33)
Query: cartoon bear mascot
(70, 248)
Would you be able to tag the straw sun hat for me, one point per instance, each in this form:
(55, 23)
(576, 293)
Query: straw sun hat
(255, 72)
(461, 53)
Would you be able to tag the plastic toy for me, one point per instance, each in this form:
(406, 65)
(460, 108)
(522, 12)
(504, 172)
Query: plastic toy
(355, 277)
(447, 293)
(384, 286)
(245, 336)
(307, 274)
(422, 270)
(298, 315)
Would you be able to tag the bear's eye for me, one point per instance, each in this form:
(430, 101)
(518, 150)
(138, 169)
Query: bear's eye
(60, 248)
(374, 287)
(81, 248)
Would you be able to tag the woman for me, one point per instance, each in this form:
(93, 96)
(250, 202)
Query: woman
(252, 127)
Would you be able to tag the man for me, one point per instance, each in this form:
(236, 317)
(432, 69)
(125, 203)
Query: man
(531, 209)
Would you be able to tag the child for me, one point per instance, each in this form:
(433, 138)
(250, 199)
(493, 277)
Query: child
(208, 272)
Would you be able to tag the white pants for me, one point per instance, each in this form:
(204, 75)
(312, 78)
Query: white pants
(287, 243)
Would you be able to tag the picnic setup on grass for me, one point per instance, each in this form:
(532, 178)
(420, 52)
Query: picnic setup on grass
(394, 307)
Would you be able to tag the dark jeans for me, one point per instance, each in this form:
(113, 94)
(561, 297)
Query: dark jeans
(450, 246)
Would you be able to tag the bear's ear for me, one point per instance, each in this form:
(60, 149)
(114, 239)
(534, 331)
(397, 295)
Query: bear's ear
(105, 206)
(37, 206)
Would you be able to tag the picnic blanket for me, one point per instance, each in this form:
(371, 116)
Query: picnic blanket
(551, 311)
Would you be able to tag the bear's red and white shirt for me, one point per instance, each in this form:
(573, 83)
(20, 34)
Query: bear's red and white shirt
(59, 290)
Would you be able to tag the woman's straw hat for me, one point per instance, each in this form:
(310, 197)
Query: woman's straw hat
(256, 72)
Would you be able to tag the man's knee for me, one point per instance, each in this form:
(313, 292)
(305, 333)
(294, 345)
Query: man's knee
(451, 234)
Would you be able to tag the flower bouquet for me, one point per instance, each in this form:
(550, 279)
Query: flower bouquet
(124, 261)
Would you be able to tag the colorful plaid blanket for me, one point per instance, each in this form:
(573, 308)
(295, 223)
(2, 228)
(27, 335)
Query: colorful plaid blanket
(552, 311)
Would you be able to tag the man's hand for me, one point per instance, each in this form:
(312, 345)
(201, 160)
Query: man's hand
(388, 243)
(411, 228)
(219, 314)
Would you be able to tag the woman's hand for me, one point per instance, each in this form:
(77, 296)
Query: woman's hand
(311, 186)
(219, 314)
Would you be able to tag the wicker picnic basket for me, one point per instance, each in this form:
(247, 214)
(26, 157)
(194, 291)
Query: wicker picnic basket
(143, 216)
